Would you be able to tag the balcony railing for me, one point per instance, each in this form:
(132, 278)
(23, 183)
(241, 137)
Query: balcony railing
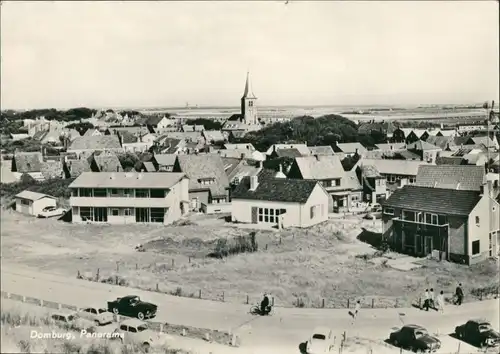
(415, 222)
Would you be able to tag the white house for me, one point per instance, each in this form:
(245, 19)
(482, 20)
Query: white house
(129, 197)
(279, 202)
(32, 203)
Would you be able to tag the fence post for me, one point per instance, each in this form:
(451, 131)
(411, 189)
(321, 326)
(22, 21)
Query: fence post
(199, 294)
(222, 296)
(272, 301)
(247, 299)
(323, 303)
(173, 262)
(420, 303)
(280, 240)
(117, 267)
(348, 303)
(266, 246)
(189, 259)
(373, 303)
(97, 275)
(157, 287)
(136, 267)
(78, 276)
(458, 351)
(396, 305)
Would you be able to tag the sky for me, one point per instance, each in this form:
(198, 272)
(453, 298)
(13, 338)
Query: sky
(164, 54)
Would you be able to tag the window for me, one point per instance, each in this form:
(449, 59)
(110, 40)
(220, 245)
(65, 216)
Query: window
(270, 215)
(86, 213)
(157, 215)
(420, 217)
(127, 193)
(250, 103)
(157, 193)
(477, 221)
(85, 192)
(388, 211)
(115, 191)
(74, 192)
(115, 212)
(132, 330)
(335, 182)
(314, 211)
(127, 211)
(412, 180)
(123, 328)
(408, 215)
(434, 219)
(25, 202)
(391, 178)
(142, 193)
(475, 247)
(100, 192)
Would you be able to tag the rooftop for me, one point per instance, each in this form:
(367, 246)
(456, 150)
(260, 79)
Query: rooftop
(126, 180)
(33, 195)
(320, 167)
(394, 167)
(460, 177)
(95, 142)
(435, 200)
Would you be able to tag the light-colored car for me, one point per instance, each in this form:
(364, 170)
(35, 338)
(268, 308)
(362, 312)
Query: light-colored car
(137, 332)
(321, 341)
(100, 316)
(72, 319)
(50, 212)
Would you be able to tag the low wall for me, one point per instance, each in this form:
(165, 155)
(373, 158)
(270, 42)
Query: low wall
(216, 208)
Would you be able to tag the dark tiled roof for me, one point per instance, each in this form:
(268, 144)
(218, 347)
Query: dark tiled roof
(449, 160)
(421, 145)
(276, 190)
(128, 138)
(434, 200)
(74, 168)
(205, 166)
(408, 155)
(469, 178)
(462, 140)
(440, 141)
(292, 153)
(28, 162)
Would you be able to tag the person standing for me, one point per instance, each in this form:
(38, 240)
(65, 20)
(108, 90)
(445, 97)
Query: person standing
(459, 293)
(426, 300)
(440, 302)
(432, 299)
(356, 311)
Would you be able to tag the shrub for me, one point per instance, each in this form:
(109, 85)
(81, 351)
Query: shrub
(55, 187)
(241, 244)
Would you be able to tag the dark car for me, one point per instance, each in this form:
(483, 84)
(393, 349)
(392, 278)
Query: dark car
(479, 333)
(415, 338)
(132, 306)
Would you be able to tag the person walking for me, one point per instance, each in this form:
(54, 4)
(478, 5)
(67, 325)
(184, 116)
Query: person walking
(459, 293)
(426, 300)
(356, 311)
(440, 302)
(432, 299)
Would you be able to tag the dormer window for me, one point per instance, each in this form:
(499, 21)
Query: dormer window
(206, 181)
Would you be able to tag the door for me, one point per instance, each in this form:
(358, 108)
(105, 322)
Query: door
(428, 245)
(254, 215)
(141, 215)
(194, 204)
(101, 214)
(418, 244)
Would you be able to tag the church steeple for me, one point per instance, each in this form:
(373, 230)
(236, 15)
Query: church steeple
(248, 93)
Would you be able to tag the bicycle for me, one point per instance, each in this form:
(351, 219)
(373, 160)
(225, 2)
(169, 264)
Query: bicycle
(255, 310)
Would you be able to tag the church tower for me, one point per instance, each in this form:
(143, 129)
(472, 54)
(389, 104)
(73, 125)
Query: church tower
(248, 104)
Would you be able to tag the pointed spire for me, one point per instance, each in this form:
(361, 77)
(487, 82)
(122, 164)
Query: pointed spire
(248, 93)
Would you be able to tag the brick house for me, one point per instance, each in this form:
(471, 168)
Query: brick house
(449, 224)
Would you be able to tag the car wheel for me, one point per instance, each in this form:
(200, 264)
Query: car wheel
(115, 311)
(140, 316)
(145, 346)
(96, 322)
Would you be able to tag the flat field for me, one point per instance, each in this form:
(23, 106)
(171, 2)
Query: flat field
(299, 267)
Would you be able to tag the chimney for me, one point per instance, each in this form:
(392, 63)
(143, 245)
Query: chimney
(391, 147)
(117, 168)
(254, 182)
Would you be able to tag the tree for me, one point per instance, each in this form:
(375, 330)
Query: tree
(349, 161)
(80, 127)
(128, 160)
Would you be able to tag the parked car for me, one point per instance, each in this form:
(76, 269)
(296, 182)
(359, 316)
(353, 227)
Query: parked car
(50, 212)
(415, 338)
(373, 215)
(100, 316)
(478, 332)
(73, 320)
(132, 305)
(137, 332)
(321, 341)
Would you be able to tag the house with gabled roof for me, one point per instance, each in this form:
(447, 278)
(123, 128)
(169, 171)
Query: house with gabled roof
(448, 224)
(214, 137)
(397, 173)
(85, 145)
(208, 182)
(32, 203)
(302, 148)
(136, 143)
(388, 128)
(74, 167)
(349, 149)
(425, 150)
(129, 197)
(290, 153)
(52, 169)
(192, 128)
(492, 143)
(92, 132)
(164, 162)
(242, 146)
(279, 202)
(343, 187)
(28, 163)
